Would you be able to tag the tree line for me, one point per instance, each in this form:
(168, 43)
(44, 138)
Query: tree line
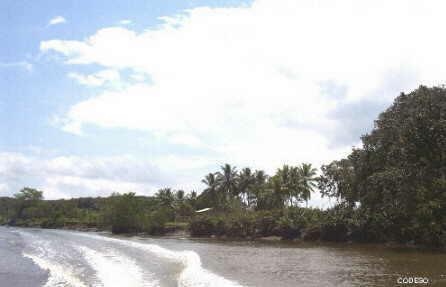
(390, 189)
(289, 186)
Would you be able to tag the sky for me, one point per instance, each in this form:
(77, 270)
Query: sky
(115, 96)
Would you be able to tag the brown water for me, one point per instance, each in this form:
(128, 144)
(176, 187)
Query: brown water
(64, 258)
(311, 264)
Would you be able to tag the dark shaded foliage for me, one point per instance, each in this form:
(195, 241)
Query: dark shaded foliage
(394, 186)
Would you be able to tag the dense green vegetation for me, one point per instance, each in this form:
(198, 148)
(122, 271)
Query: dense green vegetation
(120, 213)
(392, 189)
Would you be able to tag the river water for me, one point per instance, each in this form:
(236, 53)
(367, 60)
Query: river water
(37, 257)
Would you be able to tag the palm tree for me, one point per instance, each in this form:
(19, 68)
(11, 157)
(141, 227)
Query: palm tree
(192, 199)
(295, 185)
(179, 195)
(227, 179)
(246, 181)
(274, 195)
(166, 197)
(258, 188)
(260, 177)
(288, 179)
(308, 180)
(193, 195)
(212, 188)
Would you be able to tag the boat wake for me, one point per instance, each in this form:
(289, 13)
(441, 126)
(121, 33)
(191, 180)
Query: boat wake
(192, 274)
(74, 263)
(115, 270)
(195, 275)
(58, 275)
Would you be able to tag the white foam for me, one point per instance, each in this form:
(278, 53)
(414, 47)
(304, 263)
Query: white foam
(115, 270)
(192, 275)
(44, 256)
(58, 275)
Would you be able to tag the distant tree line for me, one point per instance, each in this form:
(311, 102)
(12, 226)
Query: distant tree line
(391, 189)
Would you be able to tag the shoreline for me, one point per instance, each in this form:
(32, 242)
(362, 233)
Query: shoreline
(268, 240)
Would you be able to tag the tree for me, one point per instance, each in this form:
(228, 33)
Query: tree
(27, 201)
(165, 197)
(227, 180)
(274, 196)
(398, 176)
(191, 198)
(246, 183)
(29, 194)
(307, 177)
(337, 181)
(124, 213)
(290, 181)
(179, 195)
(211, 190)
(260, 181)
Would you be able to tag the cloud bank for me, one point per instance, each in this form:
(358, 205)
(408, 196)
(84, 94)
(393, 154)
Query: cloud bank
(274, 82)
(74, 176)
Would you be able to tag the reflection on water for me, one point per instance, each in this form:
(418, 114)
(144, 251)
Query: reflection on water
(65, 258)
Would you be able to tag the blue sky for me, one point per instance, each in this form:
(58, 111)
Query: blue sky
(33, 89)
(103, 96)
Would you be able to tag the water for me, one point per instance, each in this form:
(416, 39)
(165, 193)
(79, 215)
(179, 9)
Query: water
(36, 257)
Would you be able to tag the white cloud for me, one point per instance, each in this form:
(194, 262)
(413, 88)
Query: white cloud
(186, 139)
(96, 79)
(57, 20)
(247, 84)
(125, 22)
(3, 189)
(138, 77)
(73, 176)
(12, 165)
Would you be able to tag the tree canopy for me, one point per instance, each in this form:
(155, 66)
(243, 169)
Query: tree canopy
(29, 194)
(399, 174)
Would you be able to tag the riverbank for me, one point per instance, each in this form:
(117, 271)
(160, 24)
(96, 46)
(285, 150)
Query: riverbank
(291, 224)
(181, 233)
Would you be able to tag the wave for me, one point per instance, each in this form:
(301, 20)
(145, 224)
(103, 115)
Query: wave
(58, 274)
(115, 270)
(45, 256)
(192, 274)
(112, 268)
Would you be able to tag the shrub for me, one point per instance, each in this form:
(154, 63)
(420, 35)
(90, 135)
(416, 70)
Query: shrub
(265, 223)
(242, 225)
(287, 228)
(312, 233)
(202, 226)
(334, 232)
